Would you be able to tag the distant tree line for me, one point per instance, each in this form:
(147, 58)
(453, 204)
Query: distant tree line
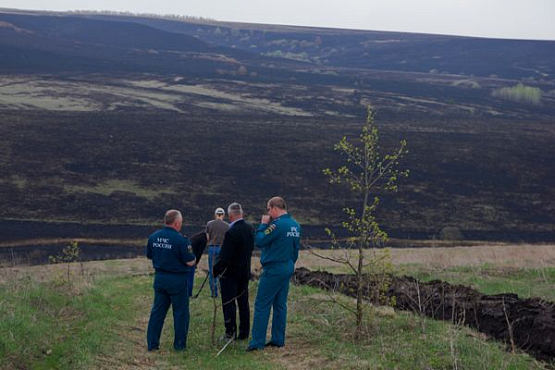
(174, 17)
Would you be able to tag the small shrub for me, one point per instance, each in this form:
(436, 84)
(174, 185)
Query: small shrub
(450, 233)
(70, 253)
(519, 94)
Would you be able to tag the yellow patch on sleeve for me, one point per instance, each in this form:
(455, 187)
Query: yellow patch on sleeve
(270, 229)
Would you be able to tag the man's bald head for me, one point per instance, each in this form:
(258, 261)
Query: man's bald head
(173, 218)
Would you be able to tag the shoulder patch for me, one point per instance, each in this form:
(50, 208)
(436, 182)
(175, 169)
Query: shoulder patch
(270, 229)
(190, 248)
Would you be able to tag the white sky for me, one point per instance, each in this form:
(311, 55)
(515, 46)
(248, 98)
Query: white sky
(517, 19)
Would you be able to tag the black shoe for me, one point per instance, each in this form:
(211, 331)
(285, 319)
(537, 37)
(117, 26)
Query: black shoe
(243, 337)
(250, 348)
(272, 344)
(153, 349)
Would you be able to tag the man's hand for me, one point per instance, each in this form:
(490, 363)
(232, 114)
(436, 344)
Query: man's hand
(265, 219)
(191, 263)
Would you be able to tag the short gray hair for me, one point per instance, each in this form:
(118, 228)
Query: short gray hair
(234, 209)
(171, 216)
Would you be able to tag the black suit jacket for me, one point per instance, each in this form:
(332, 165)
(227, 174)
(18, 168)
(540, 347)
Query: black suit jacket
(236, 251)
(198, 242)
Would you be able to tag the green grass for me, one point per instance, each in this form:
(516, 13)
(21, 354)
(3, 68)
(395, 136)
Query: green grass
(100, 322)
(489, 279)
(52, 325)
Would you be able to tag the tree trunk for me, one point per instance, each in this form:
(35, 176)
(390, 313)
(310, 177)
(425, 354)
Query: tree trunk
(360, 286)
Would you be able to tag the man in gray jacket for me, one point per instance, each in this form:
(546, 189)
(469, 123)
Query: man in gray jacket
(215, 232)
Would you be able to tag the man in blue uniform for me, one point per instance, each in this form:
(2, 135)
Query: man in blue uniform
(172, 260)
(278, 237)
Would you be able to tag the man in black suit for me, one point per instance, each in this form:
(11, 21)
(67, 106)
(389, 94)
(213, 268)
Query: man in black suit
(234, 269)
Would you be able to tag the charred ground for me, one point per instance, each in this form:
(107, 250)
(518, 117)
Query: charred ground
(104, 132)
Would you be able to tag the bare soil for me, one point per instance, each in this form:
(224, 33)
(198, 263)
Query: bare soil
(528, 324)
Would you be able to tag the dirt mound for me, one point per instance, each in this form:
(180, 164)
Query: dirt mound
(528, 323)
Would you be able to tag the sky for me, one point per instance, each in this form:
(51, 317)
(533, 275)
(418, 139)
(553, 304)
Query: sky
(510, 19)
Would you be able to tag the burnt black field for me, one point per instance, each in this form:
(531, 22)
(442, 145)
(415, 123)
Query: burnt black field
(112, 120)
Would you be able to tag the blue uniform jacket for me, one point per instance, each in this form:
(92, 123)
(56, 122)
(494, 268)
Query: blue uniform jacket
(169, 251)
(279, 241)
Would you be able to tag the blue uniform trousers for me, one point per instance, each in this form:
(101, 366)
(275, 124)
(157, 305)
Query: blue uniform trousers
(213, 252)
(169, 289)
(191, 280)
(273, 288)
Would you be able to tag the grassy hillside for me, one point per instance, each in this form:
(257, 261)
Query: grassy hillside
(98, 320)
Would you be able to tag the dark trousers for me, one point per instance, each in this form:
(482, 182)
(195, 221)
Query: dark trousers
(169, 289)
(235, 293)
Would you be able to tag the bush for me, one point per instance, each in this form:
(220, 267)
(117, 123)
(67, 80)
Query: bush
(519, 94)
(450, 233)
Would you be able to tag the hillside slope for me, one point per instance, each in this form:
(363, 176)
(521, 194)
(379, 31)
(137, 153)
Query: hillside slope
(111, 121)
(387, 51)
(60, 44)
